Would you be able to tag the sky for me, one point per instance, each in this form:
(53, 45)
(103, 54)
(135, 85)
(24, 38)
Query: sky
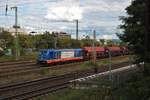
(60, 15)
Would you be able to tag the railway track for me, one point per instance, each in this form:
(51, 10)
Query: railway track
(15, 64)
(24, 67)
(32, 69)
(29, 89)
(11, 67)
(10, 63)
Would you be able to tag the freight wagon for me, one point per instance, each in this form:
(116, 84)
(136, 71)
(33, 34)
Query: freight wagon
(115, 51)
(88, 52)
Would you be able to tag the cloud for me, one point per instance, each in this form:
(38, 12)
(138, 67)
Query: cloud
(42, 15)
(65, 11)
(108, 36)
(106, 5)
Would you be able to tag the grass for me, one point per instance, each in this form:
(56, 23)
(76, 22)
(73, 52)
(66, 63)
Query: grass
(67, 95)
(7, 58)
(88, 64)
(31, 56)
(44, 71)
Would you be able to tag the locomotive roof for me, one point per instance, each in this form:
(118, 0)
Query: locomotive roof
(59, 49)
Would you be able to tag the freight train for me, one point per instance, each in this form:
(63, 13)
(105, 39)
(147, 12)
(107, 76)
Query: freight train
(54, 56)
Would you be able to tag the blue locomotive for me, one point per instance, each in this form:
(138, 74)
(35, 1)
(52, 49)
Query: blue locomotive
(52, 56)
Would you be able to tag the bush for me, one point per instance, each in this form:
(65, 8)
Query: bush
(90, 64)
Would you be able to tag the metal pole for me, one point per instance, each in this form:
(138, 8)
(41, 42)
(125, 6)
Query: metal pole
(147, 35)
(110, 65)
(17, 53)
(77, 31)
(146, 30)
(6, 9)
(94, 51)
(130, 60)
(148, 38)
(55, 40)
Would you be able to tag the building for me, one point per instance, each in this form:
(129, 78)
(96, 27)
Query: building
(13, 31)
(61, 34)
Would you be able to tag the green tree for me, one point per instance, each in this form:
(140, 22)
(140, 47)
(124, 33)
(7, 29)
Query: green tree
(6, 39)
(134, 29)
(133, 26)
(44, 41)
(102, 41)
(122, 43)
(75, 43)
(25, 41)
(86, 41)
(109, 42)
(64, 42)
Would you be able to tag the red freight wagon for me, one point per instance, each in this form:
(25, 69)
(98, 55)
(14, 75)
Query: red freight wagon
(88, 52)
(115, 51)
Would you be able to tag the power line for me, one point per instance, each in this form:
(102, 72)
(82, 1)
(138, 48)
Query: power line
(27, 3)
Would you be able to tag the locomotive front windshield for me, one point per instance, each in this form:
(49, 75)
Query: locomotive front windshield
(42, 52)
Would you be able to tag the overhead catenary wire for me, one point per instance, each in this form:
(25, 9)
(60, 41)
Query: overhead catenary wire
(19, 4)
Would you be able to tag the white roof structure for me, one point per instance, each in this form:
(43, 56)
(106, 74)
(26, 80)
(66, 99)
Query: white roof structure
(20, 30)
